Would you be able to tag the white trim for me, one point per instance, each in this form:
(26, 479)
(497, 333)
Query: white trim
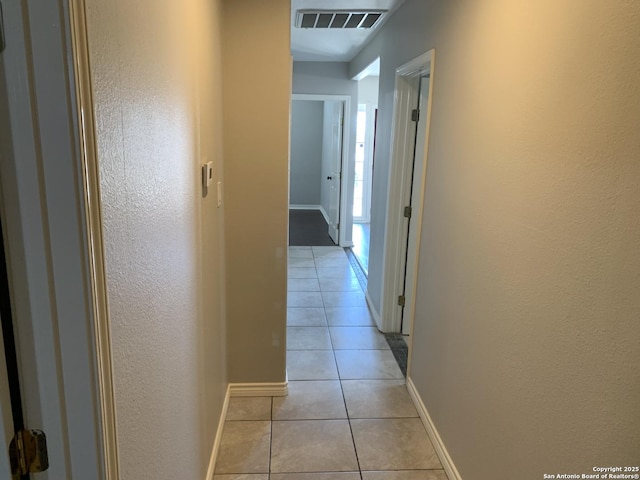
(216, 442)
(275, 389)
(402, 151)
(374, 312)
(48, 255)
(346, 161)
(93, 214)
(432, 432)
(320, 208)
(305, 207)
(324, 214)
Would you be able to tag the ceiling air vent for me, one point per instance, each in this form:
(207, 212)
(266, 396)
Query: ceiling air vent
(338, 18)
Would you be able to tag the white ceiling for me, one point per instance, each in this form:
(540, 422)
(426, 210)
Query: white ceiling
(330, 44)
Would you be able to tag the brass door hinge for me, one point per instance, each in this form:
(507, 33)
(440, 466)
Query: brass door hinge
(28, 453)
(415, 115)
(407, 212)
(401, 300)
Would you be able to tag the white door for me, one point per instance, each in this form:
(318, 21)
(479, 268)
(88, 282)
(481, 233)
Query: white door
(335, 168)
(43, 216)
(417, 189)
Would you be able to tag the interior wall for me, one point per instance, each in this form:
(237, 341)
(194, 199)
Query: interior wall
(368, 90)
(257, 91)
(524, 347)
(306, 152)
(157, 97)
(332, 78)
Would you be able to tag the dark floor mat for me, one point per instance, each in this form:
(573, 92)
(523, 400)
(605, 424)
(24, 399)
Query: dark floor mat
(399, 349)
(308, 228)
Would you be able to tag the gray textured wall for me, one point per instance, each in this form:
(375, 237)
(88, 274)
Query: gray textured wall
(525, 343)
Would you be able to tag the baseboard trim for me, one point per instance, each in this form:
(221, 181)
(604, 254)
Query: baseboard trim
(324, 214)
(276, 389)
(305, 207)
(218, 439)
(374, 312)
(434, 436)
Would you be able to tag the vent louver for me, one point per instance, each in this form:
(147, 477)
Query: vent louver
(338, 18)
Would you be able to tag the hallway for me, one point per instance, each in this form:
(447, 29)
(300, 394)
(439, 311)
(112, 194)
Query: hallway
(348, 414)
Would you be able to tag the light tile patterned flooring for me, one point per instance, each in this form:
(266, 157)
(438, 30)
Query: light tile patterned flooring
(348, 415)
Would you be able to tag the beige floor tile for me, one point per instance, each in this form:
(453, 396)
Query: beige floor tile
(249, 408)
(304, 299)
(343, 299)
(302, 272)
(240, 476)
(331, 262)
(303, 285)
(317, 476)
(306, 317)
(312, 446)
(349, 316)
(308, 338)
(244, 448)
(405, 475)
(367, 364)
(310, 400)
(301, 263)
(335, 272)
(328, 252)
(378, 399)
(343, 284)
(393, 444)
(357, 338)
(300, 252)
(311, 365)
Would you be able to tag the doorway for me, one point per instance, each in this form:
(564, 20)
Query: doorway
(412, 113)
(318, 172)
(368, 87)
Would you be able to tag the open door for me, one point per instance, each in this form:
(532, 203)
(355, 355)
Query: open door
(411, 119)
(416, 196)
(334, 168)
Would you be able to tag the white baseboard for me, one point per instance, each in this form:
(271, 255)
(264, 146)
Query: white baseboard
(434, 436)
(216, 441)
(374, 312)
(324, 214)
(276, 389)
(305, 207)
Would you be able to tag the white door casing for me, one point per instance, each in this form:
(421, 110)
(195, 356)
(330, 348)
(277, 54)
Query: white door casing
(49, 259)
(335, 170)
(406, 98)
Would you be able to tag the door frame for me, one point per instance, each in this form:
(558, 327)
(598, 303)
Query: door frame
(369, 144)
(345, 176)
(53, 244)
(402, 148)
